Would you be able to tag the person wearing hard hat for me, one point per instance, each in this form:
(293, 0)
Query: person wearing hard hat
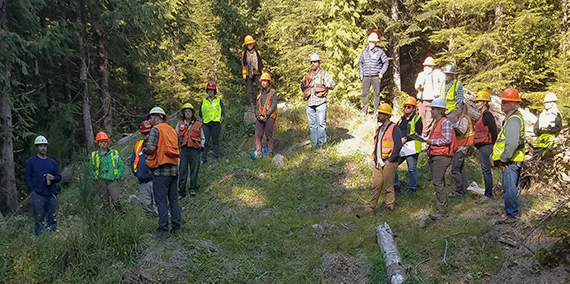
(549, 123)
(428, 84)
(266, 114)
(509, 151)
(212, 112)
(451, 91)
(410, 123)
(315, 87)
(191, 140)
(442, 145)
(464, 134)
(42, 174)
(142, 172)
(106, 168)
(387, 145)
(485, 136)
(162, 159)
(373, 64)
(251, 67)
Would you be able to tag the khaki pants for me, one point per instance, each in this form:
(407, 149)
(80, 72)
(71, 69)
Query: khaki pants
(109, 188)
(438, 165)
(383, 178)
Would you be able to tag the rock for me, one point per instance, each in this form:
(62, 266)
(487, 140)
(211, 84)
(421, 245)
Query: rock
(284, 105)
(207, 246)
(278, 160)
(249, 116)
(422, 221)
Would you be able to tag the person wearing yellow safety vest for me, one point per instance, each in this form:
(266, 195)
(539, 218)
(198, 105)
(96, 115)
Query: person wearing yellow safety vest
(485, 136)
(442, 145)
(142, 171)
(409, 124)
(191, 140)
(428, 84)
(451, 92)
(212, 112)
(464, 133)
(106, 167)
(387, 146)
(549, 123)
(251, 67)
(162, 159)
(509, 151)
(266, 113)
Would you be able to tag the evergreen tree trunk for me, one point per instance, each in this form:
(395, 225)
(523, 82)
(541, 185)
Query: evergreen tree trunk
(395, 42)
(106, 114)
(89, 139)
(8, 195)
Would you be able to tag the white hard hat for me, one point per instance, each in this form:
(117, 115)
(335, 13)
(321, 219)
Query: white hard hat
(40, 140)
(439, 103)
(158, 110)
(315, 57)
(550, 97)
(449, 69)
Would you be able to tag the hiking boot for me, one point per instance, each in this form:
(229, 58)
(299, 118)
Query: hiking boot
(455, 194)
(410, 192)
(175, 231)
(397, 189)
(364, 213)
(509, 220)
(161, 234)
(192, 192)
(437, 215)
(483, 199)
(180, 196)
(202, 162)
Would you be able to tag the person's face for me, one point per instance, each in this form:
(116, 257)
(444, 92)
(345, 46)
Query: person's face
(103, 145)
(188, 113)
(250, 46)
(265, 84)
(315, 65)
(42, 149)
(154, 119)
(480, 105)
(408, 110)
(458, 110)
(449, 77)
(211, 92)
(506, 107)
(145, 136)
(549, 105)
(383, 117)
(434, 111)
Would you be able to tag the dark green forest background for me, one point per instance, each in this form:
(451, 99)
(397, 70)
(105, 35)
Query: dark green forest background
(71, 68)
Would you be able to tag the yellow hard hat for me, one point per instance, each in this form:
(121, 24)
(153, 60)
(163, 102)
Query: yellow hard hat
(187, 105)
(373, 37)
(265, 77)
(385, 108)
(483, 96)
(248, 40)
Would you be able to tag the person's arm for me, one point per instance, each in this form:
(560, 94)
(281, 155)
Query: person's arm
(202, 138)
(459, 91)
(92, 168)
(200, 110)
(420, 126)
(512, 137)
(273, 106)
(384, 61)
(223, 110)
(557, 124)
(489, 121)
(132, 162)
(447, 133)
(461, 126)
(397, 137)
(151, 142)
(419, 82)
(28, 175)
(121, 167)
(329, 82)
(361, 65)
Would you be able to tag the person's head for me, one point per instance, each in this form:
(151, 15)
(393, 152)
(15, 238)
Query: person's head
(41, 145)
(315, 61)
(187, 111)
(211, 89)
(438, 108)
(373, 39)
(482, 100)
(460, 109)
(157, 116)
(102, 141)
(384, 113)
(265, 80)
(249, 42)
(145, 129)
(510, 100)
(550, 100)
(429, 64)
(449, 71)
(410, 106)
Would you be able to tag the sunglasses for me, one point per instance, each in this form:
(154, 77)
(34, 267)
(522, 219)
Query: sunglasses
(408, 107)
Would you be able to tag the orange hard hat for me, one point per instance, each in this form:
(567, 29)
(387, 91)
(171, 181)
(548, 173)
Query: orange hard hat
(385, 108)
(483, 96)
(411, 101)
(429, 61)
(102, 136)
(265, 77)
(248, 40)
(511, 95)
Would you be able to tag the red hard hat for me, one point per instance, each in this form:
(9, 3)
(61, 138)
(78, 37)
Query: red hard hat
(145, 127)
(211, 85)
(511, 95)
(101, 136)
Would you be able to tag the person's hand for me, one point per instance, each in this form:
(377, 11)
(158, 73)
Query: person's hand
(503, 168)
(428, 141)
(49, 177)
(404, 140)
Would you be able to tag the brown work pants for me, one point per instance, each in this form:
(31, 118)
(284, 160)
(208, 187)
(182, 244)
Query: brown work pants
(438, 165)
(109, 188)
(383, 178)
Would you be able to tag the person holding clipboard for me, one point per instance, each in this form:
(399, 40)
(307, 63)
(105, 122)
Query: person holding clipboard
(411, 123)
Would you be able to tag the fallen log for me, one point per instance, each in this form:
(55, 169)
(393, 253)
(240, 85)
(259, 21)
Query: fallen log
(395, 270)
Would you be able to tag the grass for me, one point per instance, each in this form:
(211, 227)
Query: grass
(266, 224)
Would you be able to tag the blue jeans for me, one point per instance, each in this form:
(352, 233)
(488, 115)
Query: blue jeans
(165, 193)
(510, 188)
(42, 206)
(317, 116)
(412, 161)
(485, 160)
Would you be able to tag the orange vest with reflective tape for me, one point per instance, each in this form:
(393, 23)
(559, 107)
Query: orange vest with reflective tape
(443, 150)
(267, 105)
(387, 142)
(138, 148)
(467, 138)
(189, 136)
(482, 133)
(167, 151)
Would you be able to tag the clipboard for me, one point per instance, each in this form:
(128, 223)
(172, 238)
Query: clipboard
(417, 137)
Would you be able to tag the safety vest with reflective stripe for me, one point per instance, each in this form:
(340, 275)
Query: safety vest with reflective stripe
(190, 135)
(482, 133)
(467, 138)
(412, 130)
(387, 142)
(267, 105)
(450, 97)
(138, 148)
(499, 147)
(442, 150)
(96, 160)
(211, 111)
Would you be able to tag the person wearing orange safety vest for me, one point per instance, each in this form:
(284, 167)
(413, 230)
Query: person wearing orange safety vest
(442, 145)
(464, 134)
(485, 136)
(409, 124)
(509, 151)
(106, 167)
(387, 146)
(266, 113)
(142, 172)
(251, 67)
(162, 159)
(191, 140)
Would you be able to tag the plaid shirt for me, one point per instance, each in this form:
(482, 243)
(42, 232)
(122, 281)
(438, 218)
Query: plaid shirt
(458, 90)
(329, 83)
(446, 131)
(162, 170)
